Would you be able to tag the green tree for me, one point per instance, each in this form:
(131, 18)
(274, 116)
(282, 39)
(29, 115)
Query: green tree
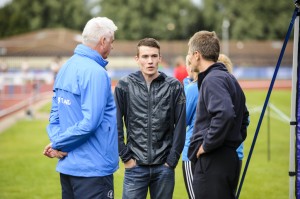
(166, 19)
(254, 19)
(27, 15)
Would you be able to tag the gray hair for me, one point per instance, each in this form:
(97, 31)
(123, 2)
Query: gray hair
(96, 28)
(207, 43)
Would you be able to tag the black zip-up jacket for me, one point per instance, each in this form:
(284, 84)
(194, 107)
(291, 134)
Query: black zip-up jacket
(154, 120)
(221, 115)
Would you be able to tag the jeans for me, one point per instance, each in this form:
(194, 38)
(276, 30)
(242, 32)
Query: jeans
(159, 179)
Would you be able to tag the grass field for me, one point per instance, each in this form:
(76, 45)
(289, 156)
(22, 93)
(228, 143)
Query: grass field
(26, 174)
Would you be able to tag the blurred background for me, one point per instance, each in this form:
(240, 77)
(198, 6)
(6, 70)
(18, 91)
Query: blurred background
(36, 37)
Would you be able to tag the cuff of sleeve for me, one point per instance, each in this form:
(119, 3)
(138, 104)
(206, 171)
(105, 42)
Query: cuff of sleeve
(172, 160)
(127, 158)
(192, 151)
(54, 146)
(125, 155)
(204, 147)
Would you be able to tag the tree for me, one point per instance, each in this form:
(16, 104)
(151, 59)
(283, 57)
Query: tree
(166, 19)
(27, 15)
(254, 19)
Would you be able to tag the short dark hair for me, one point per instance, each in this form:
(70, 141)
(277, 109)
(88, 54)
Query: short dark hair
(150, 42)
(207, 43)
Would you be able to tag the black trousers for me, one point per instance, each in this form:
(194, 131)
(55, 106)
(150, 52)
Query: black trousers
(215, 174)
(239, 174)
(87, 187)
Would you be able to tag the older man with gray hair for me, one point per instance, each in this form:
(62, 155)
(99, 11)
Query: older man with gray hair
(82, 125)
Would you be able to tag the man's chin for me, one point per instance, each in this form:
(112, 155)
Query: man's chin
(196, 70)
(151, 73)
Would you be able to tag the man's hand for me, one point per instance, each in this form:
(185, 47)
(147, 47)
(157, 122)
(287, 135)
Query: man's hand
(200, 151)
(52, 153)
(129, 164)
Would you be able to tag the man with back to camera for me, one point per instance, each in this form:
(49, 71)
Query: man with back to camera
(221, 121)
(152, 106)
(83, 126)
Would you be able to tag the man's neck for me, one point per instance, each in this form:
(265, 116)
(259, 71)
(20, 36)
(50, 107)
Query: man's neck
(150, 78)
(205, 65)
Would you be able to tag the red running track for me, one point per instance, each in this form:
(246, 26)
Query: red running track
(24, 95)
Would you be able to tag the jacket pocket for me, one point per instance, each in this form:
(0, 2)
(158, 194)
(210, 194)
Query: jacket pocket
(104, 137)
(105, 126)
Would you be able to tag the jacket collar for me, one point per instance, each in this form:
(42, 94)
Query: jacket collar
(86, 51)
(215, 66)
(139, 76)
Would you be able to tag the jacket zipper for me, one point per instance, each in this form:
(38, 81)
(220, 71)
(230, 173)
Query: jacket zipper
(149, 124)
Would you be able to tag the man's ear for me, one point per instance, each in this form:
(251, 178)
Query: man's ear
(102, 41)
(160, 59)
(198, 55)
(136, 58)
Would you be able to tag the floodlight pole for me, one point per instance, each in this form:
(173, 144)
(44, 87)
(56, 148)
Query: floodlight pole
(268, 133)
(225, 36)
(293, 121)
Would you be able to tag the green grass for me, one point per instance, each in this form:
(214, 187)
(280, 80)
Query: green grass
(26, 173)
(46, 108)
(268, 178)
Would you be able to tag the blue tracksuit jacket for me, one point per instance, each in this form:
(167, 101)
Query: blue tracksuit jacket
(83, 116)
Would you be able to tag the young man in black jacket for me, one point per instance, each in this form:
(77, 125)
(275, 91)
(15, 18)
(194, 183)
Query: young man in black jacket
(221, 121)
(152, 106)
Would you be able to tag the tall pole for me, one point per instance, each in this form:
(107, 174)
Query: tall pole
(293, 123)
(267, 100)
(225, 36)
(268, 134)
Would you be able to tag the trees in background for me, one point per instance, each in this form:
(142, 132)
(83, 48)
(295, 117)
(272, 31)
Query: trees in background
(22, 16)
(164, 20)
(253, 19)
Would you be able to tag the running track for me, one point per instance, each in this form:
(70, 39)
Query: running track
(20, 98)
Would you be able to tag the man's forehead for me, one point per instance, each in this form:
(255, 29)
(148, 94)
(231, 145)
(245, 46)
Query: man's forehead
(148, 50)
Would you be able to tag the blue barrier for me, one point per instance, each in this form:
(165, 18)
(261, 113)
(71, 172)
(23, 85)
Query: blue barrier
(240, 72)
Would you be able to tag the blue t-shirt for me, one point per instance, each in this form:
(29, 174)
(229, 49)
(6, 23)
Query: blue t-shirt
(191, 93)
